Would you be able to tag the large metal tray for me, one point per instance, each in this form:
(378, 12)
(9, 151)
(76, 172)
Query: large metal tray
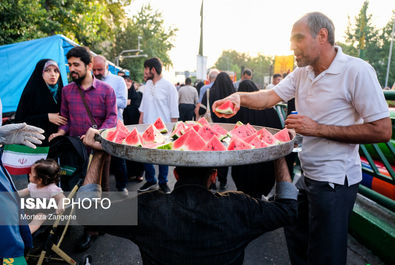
(196, 158)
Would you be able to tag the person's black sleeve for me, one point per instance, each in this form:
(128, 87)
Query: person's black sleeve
(26, 108)
(203, 110)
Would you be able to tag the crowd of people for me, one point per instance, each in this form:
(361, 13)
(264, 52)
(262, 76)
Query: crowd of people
(339, 104)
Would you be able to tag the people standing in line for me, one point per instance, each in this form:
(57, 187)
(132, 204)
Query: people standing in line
(340, 104)
(221, 88)
(101, 72)
(212, 75)
(160, 100)
(248, 178)
(275, 80)
(40, 101)
(100, 103)
(246, 75)
(131, 115)
(187, 100)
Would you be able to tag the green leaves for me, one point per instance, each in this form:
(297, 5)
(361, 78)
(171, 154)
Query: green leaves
(234, 61)
(101, 25)
(156, 40)
(371, 44)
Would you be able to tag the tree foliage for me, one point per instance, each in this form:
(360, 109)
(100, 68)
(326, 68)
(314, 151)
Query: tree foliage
(365, 41)
(85, 21)
(234, 61)
(156, 40)
(101, 25)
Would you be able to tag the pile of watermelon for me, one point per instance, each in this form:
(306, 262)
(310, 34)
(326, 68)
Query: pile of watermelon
(197, 136)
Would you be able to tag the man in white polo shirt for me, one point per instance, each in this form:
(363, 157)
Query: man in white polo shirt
(340, 104)
(160, 100)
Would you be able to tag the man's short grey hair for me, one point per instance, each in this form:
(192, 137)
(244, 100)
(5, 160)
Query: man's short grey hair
(212, 75)
(316, 21)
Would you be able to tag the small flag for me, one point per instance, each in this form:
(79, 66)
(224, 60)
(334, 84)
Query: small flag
(14, 261)
(18, 159)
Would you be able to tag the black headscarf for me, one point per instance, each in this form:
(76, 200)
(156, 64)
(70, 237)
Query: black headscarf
(256, 179)
(222, 87)
(267, 117)
(37, 101)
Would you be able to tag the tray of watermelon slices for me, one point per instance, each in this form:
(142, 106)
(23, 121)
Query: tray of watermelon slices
(197, 143)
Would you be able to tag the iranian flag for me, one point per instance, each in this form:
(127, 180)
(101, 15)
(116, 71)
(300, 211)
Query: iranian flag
(18, 159)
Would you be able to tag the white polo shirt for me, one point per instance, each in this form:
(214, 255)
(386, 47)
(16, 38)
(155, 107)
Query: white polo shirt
(347, 93)
(159, 100)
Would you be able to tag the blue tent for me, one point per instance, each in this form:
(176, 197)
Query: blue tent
(18, 60)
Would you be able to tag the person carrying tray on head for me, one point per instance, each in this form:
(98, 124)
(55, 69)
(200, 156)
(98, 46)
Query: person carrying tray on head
(185, 228)
(340, 104)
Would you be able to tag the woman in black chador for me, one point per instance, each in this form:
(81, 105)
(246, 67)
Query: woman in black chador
(256, 179)
(222, 87)
(40, 101)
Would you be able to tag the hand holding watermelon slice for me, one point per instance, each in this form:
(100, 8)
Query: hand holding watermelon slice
(227, 107)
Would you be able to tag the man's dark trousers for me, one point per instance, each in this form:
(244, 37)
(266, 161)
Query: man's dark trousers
(118, 168)
(320, 234)
(186, 112)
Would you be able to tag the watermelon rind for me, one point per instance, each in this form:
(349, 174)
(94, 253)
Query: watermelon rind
(157, 136)
(168, 146)
(160, 125)
(224, 111)
(225, 108)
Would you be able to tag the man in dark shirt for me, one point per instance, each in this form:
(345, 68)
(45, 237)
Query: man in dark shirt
(193, 225)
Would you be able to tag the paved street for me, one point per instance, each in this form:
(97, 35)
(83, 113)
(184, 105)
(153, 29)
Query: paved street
(269, 248)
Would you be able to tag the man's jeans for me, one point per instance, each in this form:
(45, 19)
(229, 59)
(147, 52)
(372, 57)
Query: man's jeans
(150, 173)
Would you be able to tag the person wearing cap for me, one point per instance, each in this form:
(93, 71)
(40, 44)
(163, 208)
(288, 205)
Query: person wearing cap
(40, 101)
(191, 225)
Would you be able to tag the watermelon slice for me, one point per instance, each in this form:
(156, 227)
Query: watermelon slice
(196, 127)
(238, 144)
(111, 134)
(178, 130)
(203, 122)
(226, 108)
(221, 132)
(238, 124)
(266, 136)
(160, 125)
(250, 138)
(121, 132)
(250, 128)
(134, 138)
(257, 143)
(283, 135)
(207, 133)
(241, 132)
(177, 144)
(194, 142)
(214, 145)
(152, 135)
